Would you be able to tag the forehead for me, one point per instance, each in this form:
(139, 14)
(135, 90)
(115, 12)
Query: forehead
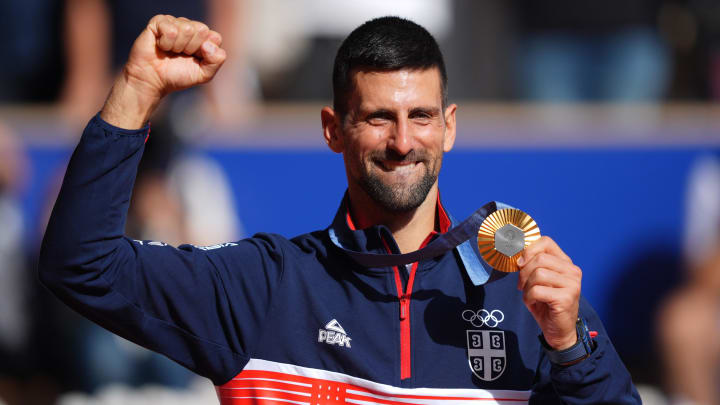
(396, 88)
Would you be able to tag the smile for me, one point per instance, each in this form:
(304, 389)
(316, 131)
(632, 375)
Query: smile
(396, 167)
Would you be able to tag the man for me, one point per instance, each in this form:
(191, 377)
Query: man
(307, 320)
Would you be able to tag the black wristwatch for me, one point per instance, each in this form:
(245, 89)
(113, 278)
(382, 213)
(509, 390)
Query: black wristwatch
(582, 349)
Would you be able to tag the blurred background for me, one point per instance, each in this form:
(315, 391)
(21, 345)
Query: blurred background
(600, 119)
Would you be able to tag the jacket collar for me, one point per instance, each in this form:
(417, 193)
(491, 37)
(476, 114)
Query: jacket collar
(370, 240)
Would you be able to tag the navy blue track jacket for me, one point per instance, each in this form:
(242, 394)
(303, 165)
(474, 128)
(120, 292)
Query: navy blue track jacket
(272, 320)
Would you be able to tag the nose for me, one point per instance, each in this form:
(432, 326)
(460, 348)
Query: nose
(400, 139)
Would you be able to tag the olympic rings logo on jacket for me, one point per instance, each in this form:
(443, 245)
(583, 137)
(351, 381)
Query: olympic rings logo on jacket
(483, 317)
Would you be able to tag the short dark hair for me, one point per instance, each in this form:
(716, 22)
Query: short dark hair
(384, 44)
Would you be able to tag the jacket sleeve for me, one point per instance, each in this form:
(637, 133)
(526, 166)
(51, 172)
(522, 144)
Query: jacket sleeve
(599, 379)
(202, 307)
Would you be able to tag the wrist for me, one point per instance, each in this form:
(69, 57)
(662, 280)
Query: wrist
(582, 348)
(564, 343)
(130, 103)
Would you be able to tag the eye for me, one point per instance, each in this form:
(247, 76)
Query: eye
(379, 118)
(422, 117)
(424, 114)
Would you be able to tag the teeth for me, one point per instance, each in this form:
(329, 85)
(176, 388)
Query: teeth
(399, 168)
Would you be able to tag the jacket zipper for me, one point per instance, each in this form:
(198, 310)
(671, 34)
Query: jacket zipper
(404, 298)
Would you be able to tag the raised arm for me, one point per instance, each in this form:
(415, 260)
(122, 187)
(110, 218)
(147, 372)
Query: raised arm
(202, 307)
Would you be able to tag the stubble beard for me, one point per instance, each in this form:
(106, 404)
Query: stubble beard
(400, 198)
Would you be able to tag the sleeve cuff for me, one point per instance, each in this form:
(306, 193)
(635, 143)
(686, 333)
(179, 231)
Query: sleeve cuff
(578, 372)
(98, 121)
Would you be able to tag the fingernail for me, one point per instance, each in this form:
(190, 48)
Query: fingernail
(521, 261)
(209, 47)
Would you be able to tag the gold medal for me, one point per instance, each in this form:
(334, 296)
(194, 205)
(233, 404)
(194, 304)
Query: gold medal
(503, 236)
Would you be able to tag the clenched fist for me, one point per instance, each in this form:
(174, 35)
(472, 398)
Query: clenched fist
(170, 54)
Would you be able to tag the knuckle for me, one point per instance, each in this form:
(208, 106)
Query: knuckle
(201, 28)
(171, 32)
(543, 258)
(542, 273)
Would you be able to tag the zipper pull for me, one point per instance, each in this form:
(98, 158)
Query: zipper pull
(403, 307)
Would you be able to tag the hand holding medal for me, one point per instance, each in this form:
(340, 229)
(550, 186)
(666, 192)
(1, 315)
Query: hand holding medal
(509, 240)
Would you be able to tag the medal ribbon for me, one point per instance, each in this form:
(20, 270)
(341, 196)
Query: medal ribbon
(458, 236)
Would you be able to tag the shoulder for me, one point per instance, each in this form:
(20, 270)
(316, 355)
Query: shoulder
(270, 244)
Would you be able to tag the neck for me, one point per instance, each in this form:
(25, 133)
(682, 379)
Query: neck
(408, 228)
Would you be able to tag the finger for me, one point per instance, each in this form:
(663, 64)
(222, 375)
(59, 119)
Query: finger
(153, 24)
(544, 244)
(215, 38)
(212, 58)
(166, 33)
(548, 278)
(549, 262)
(560, 297)
(538, 293)
(186, 32)
(201, 32)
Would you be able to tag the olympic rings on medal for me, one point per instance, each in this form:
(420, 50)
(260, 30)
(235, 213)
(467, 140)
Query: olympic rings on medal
(483, 317)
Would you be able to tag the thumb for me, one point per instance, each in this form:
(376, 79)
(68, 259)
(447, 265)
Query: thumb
(212, 57)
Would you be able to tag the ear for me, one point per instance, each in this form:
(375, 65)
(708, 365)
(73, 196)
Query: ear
(449, 139)
(332, 129)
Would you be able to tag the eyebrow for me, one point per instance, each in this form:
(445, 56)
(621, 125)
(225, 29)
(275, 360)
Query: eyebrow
(434, 111)
(380, 113)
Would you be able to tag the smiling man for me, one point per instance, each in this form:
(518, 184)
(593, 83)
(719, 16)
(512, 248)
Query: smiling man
(392, 139)
(336, 315)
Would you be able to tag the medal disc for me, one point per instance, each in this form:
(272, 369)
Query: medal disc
(503, 236)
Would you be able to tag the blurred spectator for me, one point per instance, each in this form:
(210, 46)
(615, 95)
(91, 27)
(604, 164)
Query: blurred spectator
(295, 42)
(573, 51)
(692, 28)
(14, 277)
(708, 17)
(180, 195)
(689, 322)
(94, 60)
(688, 334)
(702, 218)
(31, 46)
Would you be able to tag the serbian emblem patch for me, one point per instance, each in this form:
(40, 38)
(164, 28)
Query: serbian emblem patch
(486, 353)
